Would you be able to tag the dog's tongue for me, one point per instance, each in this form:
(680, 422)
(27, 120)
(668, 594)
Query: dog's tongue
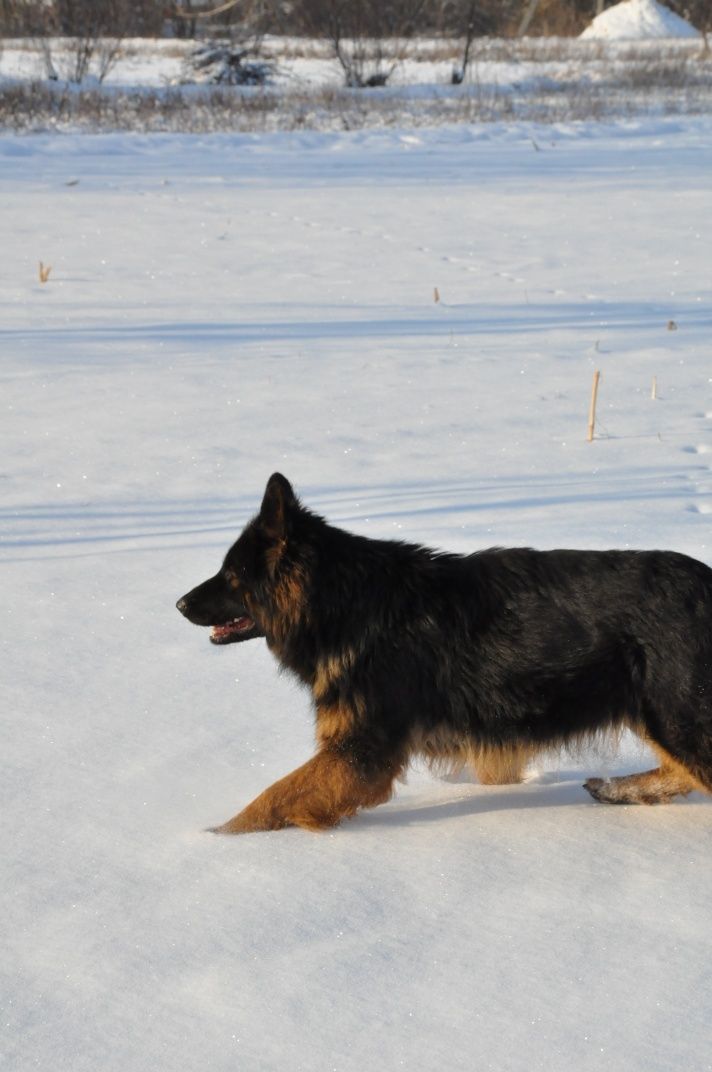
(239, 625)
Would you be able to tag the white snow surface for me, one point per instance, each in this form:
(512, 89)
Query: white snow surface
(639, 20)
(220, 307)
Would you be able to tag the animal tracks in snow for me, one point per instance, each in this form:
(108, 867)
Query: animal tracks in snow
(468, 263)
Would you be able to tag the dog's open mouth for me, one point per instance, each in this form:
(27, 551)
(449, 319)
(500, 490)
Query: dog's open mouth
(230, 631)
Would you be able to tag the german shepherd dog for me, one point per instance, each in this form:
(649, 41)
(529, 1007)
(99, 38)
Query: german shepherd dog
(481, 659)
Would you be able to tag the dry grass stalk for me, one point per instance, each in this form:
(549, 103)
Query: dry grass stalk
(592, 407)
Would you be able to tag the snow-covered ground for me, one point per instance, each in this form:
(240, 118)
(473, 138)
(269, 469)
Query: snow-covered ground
(221, 307)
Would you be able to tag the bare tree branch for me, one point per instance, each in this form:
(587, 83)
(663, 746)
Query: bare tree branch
(207, 14)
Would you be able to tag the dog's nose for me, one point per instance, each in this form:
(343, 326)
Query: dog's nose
(182, 606)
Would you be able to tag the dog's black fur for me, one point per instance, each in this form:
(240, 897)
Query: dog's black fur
(484, 658)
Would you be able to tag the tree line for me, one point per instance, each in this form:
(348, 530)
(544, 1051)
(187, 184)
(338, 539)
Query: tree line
(315, 18)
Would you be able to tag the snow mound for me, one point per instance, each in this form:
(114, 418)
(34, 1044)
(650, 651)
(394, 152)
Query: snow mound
(639, 19)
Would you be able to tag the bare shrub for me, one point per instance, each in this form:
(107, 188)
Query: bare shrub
(224, 64)
(466, 20)
(657, 72)
(199, 109)
(78, 36)
(369, 38)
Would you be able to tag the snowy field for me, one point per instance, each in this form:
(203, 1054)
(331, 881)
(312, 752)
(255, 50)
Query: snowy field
(221, 307)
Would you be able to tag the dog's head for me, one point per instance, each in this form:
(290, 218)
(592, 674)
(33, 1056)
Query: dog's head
(251, 588)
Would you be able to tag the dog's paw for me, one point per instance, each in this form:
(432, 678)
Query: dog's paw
(247, 822)
(614, 791)
(228, 828)
(598, 787)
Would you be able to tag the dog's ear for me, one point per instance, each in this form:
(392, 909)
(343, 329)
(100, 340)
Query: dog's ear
(278, 503)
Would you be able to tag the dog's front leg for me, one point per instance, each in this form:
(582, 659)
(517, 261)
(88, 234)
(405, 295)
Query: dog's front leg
(317, 795)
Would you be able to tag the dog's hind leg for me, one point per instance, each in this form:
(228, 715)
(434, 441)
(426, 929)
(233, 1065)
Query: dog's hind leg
(659, 786)
(500, 766)
(316, 796)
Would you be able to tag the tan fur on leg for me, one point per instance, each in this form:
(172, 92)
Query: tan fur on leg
(500, 766)
(315, 796)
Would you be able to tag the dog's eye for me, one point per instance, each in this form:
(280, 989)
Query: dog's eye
(232, 579)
